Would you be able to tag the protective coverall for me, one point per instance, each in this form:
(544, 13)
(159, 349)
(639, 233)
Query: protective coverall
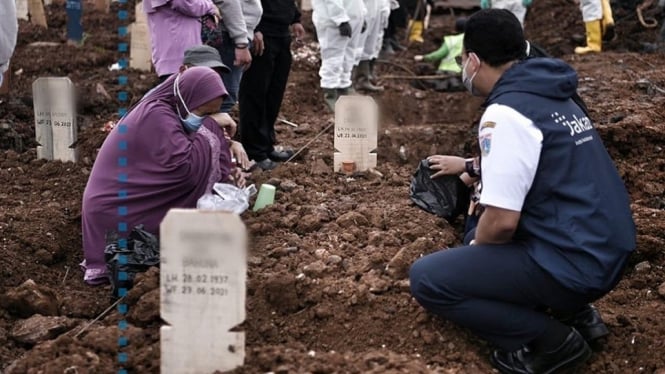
(337, 50)
(378, 12)
(8, 31)
(599, 24)
(516, 7)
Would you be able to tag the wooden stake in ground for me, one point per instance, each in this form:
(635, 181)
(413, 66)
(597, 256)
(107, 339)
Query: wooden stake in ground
(103, 5)
(140, 56)
(74, 29)
(356, 126)
(202, 282)
(22, 9)
(55, 118)
(37, 15)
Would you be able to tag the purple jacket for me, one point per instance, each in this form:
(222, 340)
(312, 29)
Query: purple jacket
(174, 27)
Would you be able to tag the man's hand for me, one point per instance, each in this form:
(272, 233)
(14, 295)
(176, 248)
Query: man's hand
(345, 29)
(243, 58)
(418, 58)
(238, 152)
(226, 123)
(216, 14)
(259, 45)
(298, 31)
(446, 165)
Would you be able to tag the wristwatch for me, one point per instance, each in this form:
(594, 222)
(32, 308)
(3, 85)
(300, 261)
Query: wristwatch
(472, 168)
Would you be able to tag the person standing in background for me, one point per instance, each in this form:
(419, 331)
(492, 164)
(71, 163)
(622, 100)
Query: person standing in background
(9, 30)
(516, 7)
(338, 26)
(263, 84)
(378, 12)
(174, 26)
(240, 19)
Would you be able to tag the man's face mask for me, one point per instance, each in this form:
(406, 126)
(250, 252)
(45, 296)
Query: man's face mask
(193, 121)
(466, 80)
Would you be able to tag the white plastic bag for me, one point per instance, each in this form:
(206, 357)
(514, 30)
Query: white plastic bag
(227, 198)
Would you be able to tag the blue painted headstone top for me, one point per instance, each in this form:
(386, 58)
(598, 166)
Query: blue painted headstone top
(74, 28)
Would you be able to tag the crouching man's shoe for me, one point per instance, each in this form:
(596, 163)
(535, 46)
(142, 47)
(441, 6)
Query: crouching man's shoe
(588, 322)
(573, 352)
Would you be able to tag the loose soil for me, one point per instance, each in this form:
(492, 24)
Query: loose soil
(352, 312)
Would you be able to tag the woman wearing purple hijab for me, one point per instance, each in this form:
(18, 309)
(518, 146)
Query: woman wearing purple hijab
(165, 153)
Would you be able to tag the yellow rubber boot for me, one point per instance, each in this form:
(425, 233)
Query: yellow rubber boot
(416, 35)
(593, 38)
(607, 21)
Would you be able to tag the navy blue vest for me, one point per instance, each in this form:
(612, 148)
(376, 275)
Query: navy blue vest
(576, 219)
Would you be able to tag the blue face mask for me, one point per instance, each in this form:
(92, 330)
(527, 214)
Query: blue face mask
(193, 122)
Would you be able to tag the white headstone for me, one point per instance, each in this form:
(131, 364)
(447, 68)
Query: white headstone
(22, 9)
(202, 281)
(140, 56)
(356, 126)
(55, 118)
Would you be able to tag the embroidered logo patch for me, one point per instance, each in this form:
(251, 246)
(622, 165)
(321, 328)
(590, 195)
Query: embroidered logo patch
(487, 125)
(485, 144)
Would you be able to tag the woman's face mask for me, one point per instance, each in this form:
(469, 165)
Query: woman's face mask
(466, 80)
(193, 122)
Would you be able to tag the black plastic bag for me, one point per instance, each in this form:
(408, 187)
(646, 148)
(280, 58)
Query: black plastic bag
(446, 196)
(141, 253)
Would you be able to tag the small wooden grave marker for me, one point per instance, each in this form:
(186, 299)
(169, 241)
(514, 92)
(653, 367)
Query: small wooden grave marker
(37, 15)
(22, 9)
(103, 5)
(140, 56)
(356, 129)
(74, 10)
(202, 291)
(55, 118)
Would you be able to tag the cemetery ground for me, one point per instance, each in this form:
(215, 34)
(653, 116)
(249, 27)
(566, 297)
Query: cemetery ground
(327, 273)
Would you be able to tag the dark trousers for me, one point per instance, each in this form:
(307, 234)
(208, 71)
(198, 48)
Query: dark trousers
(496, 291)
(261, 92)
(231, 79)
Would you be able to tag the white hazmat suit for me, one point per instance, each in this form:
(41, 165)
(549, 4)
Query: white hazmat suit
(369, 47)
(8, 31)
(337, 51)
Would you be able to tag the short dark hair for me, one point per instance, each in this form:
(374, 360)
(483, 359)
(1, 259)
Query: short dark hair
(460, 23)
(495, 35)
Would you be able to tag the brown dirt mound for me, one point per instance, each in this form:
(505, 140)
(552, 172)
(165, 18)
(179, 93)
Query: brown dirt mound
(351, 311)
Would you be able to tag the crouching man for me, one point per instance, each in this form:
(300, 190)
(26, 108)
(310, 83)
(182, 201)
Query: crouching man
(556, 231)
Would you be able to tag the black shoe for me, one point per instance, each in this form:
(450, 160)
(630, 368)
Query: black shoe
(280, 156)
(266, 164)
(588, 322)
(573, 352)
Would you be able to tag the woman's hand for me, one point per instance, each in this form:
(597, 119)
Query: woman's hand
(238, 152)
(239, 178)
(226, 123)
(446, 165)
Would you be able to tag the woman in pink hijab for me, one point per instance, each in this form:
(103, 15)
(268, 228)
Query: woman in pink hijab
(165, 153)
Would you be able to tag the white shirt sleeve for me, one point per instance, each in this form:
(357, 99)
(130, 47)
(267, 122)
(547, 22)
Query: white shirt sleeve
(510, 145)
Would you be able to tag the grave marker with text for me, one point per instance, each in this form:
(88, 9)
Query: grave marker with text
(356, 126)
(203, 267)
(55, 118)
